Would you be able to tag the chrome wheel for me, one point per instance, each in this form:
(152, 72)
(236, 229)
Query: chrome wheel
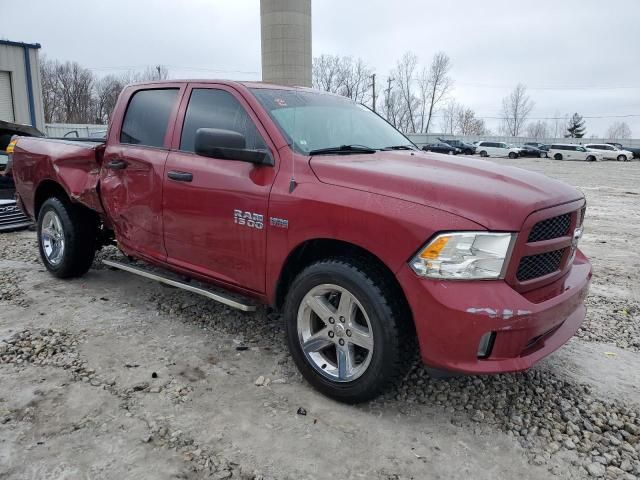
(335, 333)
(52, 238)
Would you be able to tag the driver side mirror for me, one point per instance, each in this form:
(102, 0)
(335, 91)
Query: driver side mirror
(228, 145)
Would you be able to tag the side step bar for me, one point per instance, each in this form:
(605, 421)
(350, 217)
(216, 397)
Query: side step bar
(217, 296)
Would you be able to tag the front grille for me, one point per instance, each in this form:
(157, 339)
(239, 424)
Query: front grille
(550, 228)
(535, 266)
(11, 216)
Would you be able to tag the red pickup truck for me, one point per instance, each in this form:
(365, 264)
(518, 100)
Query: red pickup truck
(313, 204)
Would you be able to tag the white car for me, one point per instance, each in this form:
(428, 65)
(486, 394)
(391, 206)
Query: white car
(610, 152)
(569, 151)
(497, 149)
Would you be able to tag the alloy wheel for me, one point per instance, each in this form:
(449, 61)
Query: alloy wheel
(335, 333)
(52, 238)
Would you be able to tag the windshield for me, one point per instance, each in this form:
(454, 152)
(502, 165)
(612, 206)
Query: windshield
(314, 121)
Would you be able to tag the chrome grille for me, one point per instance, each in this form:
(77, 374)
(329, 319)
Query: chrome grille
(535, 266)
(11, 216)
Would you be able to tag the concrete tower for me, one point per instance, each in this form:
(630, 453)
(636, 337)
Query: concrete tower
(286, 41)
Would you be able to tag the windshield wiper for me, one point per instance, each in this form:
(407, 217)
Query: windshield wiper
(343, 149)
(400, 147)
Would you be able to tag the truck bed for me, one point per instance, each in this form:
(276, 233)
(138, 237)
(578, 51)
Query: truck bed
(75, 165)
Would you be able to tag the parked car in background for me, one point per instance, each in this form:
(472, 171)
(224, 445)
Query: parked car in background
(634, 150)
(466, 148)
(497, 149)
(534, 144)
(610, 152)
(470, 272)
(11, 217)
(569, 151)
(531, 151)
(441, 148)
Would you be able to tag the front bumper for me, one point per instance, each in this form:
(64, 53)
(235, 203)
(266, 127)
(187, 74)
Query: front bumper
(451, 317)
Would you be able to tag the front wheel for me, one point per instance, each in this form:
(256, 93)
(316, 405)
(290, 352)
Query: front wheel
(622, 158)
(483, 153)
(557, 156)
(347, 330)
(513, 155)
(66, 238)
(591, 158)
(542, 155)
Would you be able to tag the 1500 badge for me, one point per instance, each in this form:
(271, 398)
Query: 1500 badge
(249, 219)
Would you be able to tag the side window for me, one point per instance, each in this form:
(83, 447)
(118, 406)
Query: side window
(213, 108)
(147, 117)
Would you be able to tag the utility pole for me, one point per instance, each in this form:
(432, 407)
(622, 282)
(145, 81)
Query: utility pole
(389, 80)
(373, 85)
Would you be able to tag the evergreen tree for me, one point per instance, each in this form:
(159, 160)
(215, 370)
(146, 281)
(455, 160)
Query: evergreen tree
(575, 128)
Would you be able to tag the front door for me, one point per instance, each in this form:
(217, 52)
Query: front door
(215, 210)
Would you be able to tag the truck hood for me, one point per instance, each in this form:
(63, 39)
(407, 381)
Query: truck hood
(497, 197)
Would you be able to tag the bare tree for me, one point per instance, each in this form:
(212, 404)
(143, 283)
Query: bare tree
(439, 83)
(73, 94)
(106, 92)
(515, 110)
(537, 129)
(342, 75)
(618, 131)
(327, 73)
(468, 124)
(405, 72)
(449, 120)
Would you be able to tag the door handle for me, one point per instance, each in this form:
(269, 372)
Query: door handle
(180, 176)
(117, 164)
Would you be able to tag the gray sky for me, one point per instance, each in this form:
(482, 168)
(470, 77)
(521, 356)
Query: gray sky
(573, 55)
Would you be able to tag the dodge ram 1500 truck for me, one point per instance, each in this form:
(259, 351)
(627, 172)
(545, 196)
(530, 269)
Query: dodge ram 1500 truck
(314, 205)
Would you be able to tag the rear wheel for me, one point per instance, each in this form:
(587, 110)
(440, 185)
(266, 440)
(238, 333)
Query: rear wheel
(66, 238)
(622, 158)
(557, 156)
(483, 153)
(591, 158)
(513, 155)
(346, 330)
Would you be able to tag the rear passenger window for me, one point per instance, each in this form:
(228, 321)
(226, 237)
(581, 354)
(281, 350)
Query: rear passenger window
(212, 108)
(147, 117)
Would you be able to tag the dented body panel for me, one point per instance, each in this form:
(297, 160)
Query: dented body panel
(75, 166)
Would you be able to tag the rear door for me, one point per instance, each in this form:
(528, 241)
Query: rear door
(133, 167)
(215, 217)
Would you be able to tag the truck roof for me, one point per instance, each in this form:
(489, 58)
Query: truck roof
(247, 84)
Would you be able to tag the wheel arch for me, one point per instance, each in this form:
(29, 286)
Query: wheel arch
(46, 189)
(312, 250)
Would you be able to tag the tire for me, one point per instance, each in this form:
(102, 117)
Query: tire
(66, 238)
(378, 316)
(591, 158)
(622, 158)
(483, 153)
(542, 155)
(468, 152)
(557, 156)
(513, 155)
(450, 152)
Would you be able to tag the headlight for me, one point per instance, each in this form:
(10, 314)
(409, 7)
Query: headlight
(464, 255)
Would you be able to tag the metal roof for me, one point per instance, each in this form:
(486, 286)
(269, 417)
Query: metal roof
(20, 44)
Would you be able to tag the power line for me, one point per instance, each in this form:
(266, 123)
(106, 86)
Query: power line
(174, 67)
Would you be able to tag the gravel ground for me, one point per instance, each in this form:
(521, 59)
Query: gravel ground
(166, 384)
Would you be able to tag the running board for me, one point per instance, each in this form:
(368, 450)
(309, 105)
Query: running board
(162, 278)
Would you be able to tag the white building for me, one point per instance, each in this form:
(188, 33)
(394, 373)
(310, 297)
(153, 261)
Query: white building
(20, 87)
